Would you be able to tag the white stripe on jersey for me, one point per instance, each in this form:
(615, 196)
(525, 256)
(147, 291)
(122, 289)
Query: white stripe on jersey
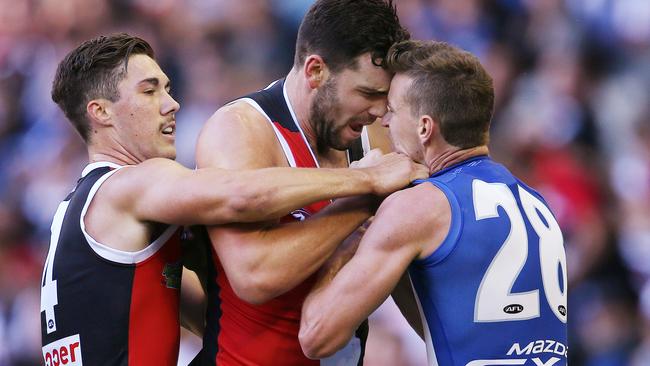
(112, 254)
(49, 295)
(431, 352)
(295, 121)
(285, 145)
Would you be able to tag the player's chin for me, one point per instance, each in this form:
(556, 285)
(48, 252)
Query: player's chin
(347, 137)
(169, 152)
(342, 144)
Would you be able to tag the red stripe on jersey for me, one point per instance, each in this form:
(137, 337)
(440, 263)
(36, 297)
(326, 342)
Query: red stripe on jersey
(154, 332)
(303, 157)
(301, 153)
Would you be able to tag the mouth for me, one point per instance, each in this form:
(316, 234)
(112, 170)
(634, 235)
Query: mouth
(358, 126)
(170, 129)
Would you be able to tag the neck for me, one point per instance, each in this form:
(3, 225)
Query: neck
(113, 153)
(452, 156)
(299, 95)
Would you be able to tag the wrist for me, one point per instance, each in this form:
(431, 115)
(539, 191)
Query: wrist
(367, 180)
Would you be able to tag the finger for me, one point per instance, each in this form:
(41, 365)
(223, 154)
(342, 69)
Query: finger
(421, 172)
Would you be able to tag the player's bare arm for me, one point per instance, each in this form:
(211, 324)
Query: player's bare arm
(390, 244)
(256, 258)
(161, 190)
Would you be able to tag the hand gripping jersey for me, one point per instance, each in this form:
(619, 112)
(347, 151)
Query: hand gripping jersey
(239, 333)
(102, 306)
(495, 291)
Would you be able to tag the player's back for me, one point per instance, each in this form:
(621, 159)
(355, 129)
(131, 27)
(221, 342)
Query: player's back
(494, 292)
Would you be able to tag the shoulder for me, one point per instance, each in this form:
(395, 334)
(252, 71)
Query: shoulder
(130, 181)
(423, 199)
(419, 215)
(238, 118)
(237, 130)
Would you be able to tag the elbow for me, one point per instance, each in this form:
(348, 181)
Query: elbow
(255, 202)
(254, 289)
(313, 344)
(251, 205)
(317, 340)
(242, 205)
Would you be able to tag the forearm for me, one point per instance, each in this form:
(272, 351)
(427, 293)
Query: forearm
(263, 264)
(361, 285)
(273, 192)
(341, 256)
(331, 314)
(214, 196)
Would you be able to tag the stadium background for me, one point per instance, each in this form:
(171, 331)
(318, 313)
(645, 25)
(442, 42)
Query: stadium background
(572, 119)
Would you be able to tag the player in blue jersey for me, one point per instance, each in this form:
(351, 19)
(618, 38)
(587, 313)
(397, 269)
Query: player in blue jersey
(483, 250)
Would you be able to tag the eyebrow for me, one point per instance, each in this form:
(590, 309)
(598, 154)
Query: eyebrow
(154, 82)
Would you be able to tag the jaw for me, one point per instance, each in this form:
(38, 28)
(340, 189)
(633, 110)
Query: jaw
(169, 151)
(163, 149)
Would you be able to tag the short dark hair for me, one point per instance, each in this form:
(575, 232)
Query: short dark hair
(93, 70)
(341, 30)
(450, 85)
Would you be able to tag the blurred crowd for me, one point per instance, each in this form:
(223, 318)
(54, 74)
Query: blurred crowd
(572, 120)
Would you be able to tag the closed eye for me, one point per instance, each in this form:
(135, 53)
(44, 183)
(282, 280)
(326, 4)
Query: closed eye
(373, 95)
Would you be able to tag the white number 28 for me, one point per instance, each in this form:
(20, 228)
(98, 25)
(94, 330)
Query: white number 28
(495, 301)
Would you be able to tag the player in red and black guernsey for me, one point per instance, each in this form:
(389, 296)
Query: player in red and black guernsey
(110, 286)
(262, 272)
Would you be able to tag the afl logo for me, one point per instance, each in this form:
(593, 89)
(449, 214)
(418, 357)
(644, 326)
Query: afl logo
(300, 214)
(513, 309)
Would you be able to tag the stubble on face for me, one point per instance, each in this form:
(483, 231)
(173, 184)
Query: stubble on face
(323, 113)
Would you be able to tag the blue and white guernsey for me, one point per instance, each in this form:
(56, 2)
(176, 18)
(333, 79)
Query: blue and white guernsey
(495, 291)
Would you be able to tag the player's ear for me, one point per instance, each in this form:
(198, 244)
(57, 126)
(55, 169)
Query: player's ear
(98, 111)
(315, 70)
(428, 128)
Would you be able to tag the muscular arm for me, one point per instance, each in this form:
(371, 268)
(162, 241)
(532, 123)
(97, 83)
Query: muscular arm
(408, 225)
(229, 185)
(161, 190)
(264, 261)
